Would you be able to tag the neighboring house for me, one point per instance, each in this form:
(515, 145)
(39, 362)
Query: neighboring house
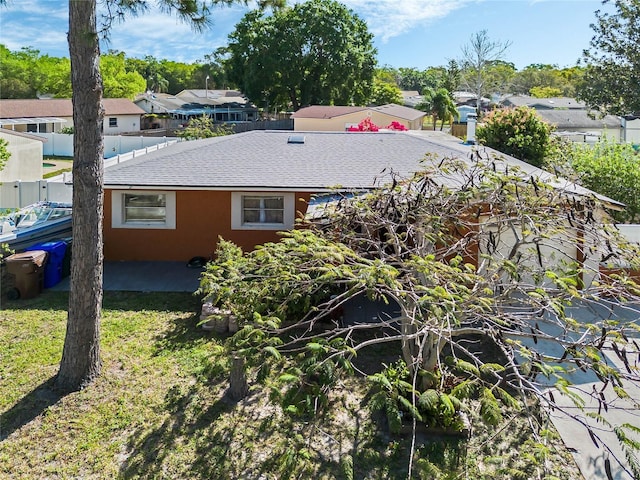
(25, 162)
(172, 111)
(52, 115)
(386, 114)
(551, 103)
(582, 126)
(411, 98)
(174, 204)
(329, 118)
(631, 129)
(571, 118)
(469, 98)
(463, 112)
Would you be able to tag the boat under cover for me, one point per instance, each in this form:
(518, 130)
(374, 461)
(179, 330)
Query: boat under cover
(36, 223)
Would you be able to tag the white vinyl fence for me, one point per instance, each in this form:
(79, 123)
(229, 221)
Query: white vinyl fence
(61, 144)
(20, 194)
(59, 189)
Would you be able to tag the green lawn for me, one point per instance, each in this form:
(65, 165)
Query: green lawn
(159, 410)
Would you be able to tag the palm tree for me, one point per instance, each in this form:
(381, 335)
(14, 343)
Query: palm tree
(443, 107)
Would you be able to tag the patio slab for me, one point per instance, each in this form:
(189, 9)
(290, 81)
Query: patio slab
(146, 277)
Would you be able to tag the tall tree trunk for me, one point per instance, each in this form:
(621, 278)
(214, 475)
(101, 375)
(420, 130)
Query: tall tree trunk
(80, 363)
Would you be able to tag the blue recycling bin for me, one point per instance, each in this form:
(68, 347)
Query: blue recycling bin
(53, 268)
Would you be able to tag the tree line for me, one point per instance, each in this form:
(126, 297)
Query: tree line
(27, 73)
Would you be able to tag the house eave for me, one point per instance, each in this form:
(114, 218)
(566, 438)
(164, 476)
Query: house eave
(234, 188)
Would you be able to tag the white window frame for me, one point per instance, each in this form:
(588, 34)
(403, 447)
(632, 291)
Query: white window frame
(115, 121)
(118, 217)
(236, 211)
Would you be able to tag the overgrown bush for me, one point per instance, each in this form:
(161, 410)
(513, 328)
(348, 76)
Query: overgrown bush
(518, 132)
(609, 168)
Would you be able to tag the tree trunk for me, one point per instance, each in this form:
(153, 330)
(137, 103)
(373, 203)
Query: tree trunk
(421, 352)
(238, 387)
(80, 363)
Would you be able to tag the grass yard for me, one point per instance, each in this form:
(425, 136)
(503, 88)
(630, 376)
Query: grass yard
(54, 165)
(159, 411)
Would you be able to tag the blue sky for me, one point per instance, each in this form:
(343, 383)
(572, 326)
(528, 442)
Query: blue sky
(408, 33)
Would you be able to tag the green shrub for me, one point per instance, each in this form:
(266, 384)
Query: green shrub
(518, 132)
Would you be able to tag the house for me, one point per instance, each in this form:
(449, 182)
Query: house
(464, 111)
(169, 111)
(470, 99)
(174, 204)
(52, 115)
(631, 129)
(330, 118)
(571, 118)
(551, 103)
(582, 126)
(411, 98)
(25, 162)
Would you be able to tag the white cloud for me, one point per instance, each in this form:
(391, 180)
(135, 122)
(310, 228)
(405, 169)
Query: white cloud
(156, 33)
(49, 8)
(391, 18)
(43, 24)
(33, 23)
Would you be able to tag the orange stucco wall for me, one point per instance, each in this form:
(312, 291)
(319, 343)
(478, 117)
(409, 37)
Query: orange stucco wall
(201, 217)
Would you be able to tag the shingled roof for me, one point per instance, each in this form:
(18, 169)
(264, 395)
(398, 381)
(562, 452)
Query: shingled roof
(332, 111)
(326, 111)
(400, 111)
(565, 103)
(563, 119)
(296, 161)
(61, 107)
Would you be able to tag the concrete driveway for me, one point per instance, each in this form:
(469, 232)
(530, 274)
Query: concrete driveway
(146, 277)
(591, 458)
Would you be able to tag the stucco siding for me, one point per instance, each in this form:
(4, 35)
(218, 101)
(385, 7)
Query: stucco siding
(631, 131)
(341, 123)
(334, 124)
(25, 162)
(124, 124)
(201, 217)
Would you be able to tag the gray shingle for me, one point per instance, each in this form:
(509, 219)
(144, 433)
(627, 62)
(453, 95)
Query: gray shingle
(264, 160)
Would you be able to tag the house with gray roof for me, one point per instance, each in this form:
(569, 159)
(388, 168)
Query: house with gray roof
(570, 118)
(551, 103)
(583, 126)
(169, 111)
(175, 203)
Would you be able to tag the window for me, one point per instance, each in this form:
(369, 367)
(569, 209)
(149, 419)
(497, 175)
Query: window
(113, 122)
(262, 210)
(258, 211)
(143, 209)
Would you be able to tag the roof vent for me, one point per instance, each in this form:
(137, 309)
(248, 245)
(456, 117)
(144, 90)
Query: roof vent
(297, 139)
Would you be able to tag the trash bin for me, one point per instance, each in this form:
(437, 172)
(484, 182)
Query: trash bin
(28, 268)
(53, 268)
(66, 261)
